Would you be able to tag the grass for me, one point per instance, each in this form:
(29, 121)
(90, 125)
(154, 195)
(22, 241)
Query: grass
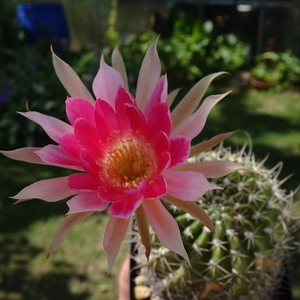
(78, 270)
(268, 121)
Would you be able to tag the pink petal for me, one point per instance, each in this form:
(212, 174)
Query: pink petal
(179, 150)
(49, 190)
(70, 145)
(164, 226)
(194, 124)
(70, 79)
(87, 136)
(192, 99)
(193, 209)
(123, 98)
(79, 108)
(187, 185)
(52, 126)
(140, 189)
(163, 162)
(125, 207)
(162, 143)
(118, 65)
(159, 95)
(164, 97)
(24, 154)
(114, 235)
(65, 227)
(106, 83)
(156, 189)
(106, 120)
(55, 156)
(211, 169)
(89, 163)
(148, 76)
(172, 95)
(204, 146)
(109, 194)
(162, 152)
(84, 183)
(137, 121)
(86, 202)
(159, 120)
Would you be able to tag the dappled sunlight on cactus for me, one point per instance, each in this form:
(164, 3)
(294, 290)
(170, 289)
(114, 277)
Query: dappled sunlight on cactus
(243, 259)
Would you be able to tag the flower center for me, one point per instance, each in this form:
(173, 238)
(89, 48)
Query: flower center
(128, 162)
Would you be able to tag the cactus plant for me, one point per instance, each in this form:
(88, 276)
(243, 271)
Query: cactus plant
(243, 258)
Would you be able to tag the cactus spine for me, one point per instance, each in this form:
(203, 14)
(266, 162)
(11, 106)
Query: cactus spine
(243, 258)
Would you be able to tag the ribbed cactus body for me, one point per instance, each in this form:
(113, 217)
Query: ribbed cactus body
(243, 258)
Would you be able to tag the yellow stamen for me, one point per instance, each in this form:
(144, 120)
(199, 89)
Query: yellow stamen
(128, 162)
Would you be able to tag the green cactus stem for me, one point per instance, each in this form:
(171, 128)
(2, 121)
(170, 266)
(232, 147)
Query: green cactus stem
(243, 258)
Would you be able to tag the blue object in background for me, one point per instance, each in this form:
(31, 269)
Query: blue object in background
(43, 21)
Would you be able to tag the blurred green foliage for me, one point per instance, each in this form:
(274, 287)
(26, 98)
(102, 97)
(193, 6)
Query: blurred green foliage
(192, 51)
(28, 80)
(282, 69)
(30, 83)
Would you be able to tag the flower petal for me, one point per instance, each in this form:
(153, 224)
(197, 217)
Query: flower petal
(70, 79)
(162, 143)
(137, 120)
(55, 156)
(187, 185)
(109, 194)
(49, 190)
(25, 154)
(64, 228)
(52, 126)
(118, 65)
(212, 169)
(140, 189)
(204, 146)
(79, 108)
(70, 145)
(86, 202)
(163, 162)
(125, 207)
(157, 189)
(194, 124)
(159, 120)
(164, 226)
(84, 183)
(190, 102)
(193, 209)
(148, 76)
(114, 235)
(159, 94)
(179, 150)
(106, 83)
(106, 120)
(172, 96)
(89, 163)
(87, 136)
(123, 98)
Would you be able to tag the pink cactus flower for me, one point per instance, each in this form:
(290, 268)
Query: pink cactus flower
(128, 153)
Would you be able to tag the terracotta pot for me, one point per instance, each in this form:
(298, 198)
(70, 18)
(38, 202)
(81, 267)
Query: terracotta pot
(260, 84)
